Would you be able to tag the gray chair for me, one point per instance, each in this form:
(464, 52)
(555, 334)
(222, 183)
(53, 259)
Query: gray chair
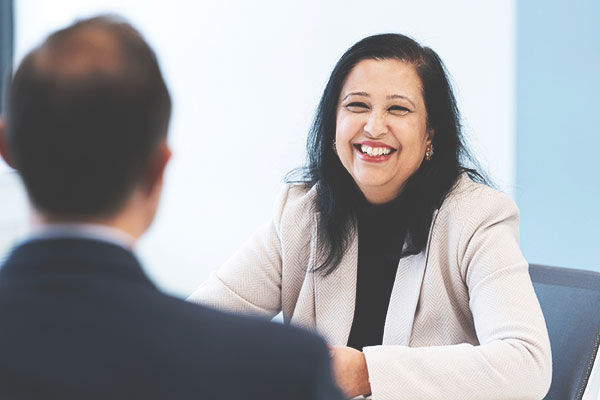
(570, 301)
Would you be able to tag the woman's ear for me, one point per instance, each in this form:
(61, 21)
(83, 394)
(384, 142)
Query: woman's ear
(430, 135)
(4, 144)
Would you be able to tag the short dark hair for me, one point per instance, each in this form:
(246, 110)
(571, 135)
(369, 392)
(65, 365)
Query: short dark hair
(86, 112)
(425, 189)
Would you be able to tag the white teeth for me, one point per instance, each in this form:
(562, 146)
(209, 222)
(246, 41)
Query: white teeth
(375, 151)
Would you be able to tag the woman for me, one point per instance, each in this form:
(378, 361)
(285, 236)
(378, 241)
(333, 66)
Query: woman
(389, 249)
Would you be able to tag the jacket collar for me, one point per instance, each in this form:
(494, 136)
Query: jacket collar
(73, 257)
(335, 295)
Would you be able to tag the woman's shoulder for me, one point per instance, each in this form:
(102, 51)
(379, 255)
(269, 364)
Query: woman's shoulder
(469, 199)
(296, 201)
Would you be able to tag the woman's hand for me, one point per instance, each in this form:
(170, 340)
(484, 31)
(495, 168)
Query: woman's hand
(350, 371)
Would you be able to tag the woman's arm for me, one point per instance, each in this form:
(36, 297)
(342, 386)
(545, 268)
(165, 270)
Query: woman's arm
(250, 281)
(513, 360)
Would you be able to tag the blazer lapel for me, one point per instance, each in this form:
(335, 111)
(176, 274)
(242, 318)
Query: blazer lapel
(404, 299)
(405, 296)
(335, 294)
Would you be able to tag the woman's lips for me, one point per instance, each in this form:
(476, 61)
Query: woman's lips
(373, 152)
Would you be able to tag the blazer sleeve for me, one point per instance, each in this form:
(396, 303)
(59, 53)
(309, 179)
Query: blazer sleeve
(512, 360)
(250, 281)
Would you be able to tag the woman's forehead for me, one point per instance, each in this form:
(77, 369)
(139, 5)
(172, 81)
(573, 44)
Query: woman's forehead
(387, 78)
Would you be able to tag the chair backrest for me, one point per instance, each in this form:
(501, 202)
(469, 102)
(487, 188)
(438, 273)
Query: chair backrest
(570, 300)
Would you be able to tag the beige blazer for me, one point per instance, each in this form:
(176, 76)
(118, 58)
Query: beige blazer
(463, 320)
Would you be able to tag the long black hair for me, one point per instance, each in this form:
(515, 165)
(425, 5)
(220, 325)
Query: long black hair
(424, 190)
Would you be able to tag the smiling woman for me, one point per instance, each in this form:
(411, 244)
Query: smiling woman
(381, 127)
(388, 247)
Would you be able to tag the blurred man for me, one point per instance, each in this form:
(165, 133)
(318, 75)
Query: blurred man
(86, 128)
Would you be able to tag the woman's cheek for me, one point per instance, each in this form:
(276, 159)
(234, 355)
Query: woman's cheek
(347, 128)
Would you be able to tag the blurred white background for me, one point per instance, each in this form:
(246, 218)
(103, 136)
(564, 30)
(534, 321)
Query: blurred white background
(245, 78)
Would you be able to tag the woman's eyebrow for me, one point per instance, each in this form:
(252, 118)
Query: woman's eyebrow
(399, 96)
(364, 94)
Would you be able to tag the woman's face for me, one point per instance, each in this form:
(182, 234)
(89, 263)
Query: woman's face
(381, 127)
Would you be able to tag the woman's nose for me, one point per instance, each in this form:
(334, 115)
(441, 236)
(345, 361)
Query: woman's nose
(376, 125)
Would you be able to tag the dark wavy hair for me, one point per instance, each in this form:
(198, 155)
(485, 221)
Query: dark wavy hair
(425, 189)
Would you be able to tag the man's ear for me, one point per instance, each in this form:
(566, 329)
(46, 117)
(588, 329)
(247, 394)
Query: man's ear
(157, 165)
(4, 144)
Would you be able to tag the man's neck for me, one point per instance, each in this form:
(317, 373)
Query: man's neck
(122, 228)
(81, 230)
(128, 223)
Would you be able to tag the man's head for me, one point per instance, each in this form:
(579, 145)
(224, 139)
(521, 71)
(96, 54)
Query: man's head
(88, 114)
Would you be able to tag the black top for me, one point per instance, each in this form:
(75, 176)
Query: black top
(79, 319)
(381, 233)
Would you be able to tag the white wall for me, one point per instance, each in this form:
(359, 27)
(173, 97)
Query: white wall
(246, 77)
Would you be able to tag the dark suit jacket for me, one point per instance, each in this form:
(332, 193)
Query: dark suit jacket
(79, 319)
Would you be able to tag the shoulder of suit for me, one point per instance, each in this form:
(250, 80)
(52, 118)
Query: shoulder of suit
(467, 192)
(222, 324)
(471, 200)
(295, 201)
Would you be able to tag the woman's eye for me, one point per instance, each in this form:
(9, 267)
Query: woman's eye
(357, 107)
(398, 110)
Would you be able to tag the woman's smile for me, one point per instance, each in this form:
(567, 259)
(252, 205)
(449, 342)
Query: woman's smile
(374, 151)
